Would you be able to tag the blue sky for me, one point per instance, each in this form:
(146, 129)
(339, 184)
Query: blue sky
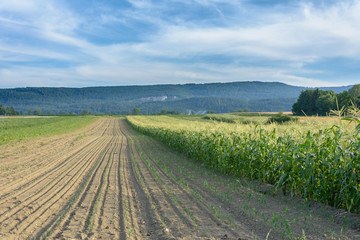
(78, 43)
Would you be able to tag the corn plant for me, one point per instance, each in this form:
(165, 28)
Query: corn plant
(321, 165)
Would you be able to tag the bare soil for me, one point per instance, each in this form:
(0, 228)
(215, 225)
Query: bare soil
(107, 181)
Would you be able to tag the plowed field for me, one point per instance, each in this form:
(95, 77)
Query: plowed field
(109, 182)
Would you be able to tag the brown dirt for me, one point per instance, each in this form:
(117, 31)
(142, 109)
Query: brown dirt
(107, 181)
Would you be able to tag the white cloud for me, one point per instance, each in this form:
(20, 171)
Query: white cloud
(19, 5)
(43, 15)
(141, 3)
(27, 54)
(301, 36)
(316, 34)
(25, 77)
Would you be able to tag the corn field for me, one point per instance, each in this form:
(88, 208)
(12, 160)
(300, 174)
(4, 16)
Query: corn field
(318, 164)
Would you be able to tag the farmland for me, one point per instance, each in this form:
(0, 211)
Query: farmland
(104, 180)
(21, 128)
(318, 164)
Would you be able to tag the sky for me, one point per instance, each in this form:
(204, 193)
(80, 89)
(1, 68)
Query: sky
(80, 43)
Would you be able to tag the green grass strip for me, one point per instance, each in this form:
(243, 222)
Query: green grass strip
(20, 128)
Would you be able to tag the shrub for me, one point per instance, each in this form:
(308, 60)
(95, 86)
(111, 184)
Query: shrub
(281, 118)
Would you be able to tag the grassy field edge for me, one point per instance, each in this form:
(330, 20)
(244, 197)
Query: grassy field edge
(23, 128)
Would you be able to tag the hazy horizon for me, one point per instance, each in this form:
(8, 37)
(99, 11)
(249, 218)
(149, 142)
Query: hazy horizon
(134, 85)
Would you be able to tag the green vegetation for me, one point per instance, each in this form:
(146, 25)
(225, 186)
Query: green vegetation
(233, 118)
(221, 118)
(136, 111)
(243, 196)
(322, 164)
(250, 119)
(20, 128)
(319, 102)
(8, 111)
(200, 98)
(167, 112)
(281, 118)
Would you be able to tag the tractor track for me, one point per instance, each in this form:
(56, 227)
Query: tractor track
(108, 181)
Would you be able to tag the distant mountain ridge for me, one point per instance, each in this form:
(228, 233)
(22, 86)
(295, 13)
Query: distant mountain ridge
(218, 97)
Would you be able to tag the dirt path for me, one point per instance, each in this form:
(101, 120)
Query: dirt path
(110, 182)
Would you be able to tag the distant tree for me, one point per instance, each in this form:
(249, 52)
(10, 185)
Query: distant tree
(280, 118)
(37, 112)
(128, 112)
(85, 112)
(163, 112)
(355, 90)
(242, 110)
(136, 111)
(355, 94)
(312, 102)
(2, 110)
(10, 111)
(303, 104)
(167, 112)
(210, 112)
(344, 99)
(21, 112)
(326, 102)
(29, 112)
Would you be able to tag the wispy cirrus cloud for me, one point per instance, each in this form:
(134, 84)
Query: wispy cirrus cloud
(143, 42)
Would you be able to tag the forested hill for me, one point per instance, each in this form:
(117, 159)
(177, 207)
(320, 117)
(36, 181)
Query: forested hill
(218, 97)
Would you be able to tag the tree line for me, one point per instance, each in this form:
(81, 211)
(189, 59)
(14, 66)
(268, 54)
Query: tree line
(11, 111)
(219, 97)
(320, 102)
